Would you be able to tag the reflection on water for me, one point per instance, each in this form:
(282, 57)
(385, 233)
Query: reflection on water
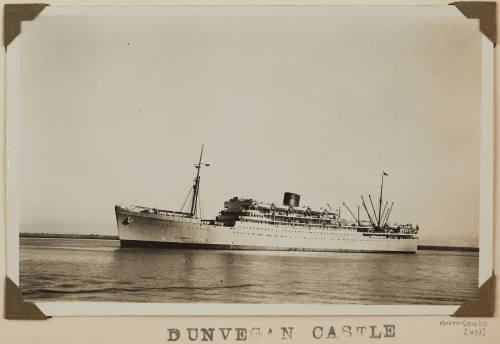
(99, 270)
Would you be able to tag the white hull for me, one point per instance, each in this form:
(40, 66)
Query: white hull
(139, 229)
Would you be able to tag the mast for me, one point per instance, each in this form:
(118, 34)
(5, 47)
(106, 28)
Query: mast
(380, 198)
(354, 217)
(196, 185)
(383, 213)
(388, 213)
(373, 208)
(367, 212)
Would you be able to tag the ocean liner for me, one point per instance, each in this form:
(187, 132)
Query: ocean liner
(247, 224)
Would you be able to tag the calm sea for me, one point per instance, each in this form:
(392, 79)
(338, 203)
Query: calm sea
(99, 270)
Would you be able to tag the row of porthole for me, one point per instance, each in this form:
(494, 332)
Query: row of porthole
(282, 223)
(318, 238)
(291, 224)
(282, 236)
(256, 226)
(289, 231)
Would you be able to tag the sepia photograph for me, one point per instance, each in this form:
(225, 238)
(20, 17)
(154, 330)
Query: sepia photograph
(248, 155)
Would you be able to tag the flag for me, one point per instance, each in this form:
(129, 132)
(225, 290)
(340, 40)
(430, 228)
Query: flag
(385, 174)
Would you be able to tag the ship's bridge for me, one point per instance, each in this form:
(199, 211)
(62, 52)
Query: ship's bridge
(237, 203)
(249, 209)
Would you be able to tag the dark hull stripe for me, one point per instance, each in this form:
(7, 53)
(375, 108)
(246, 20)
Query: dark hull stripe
(160, 244)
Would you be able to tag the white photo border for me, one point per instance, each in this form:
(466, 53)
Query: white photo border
(142, 309)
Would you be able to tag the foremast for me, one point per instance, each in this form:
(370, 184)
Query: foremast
(196, 184)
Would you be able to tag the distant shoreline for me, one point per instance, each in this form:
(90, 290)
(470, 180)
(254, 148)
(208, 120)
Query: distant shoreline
(447, 248)
(69, 236)
(115, 237)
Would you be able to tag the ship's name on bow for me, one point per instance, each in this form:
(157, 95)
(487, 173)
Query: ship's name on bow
(241, 334)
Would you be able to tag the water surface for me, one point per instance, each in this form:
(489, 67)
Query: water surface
(99, 270)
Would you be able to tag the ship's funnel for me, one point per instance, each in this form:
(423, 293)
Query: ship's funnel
(291, 199)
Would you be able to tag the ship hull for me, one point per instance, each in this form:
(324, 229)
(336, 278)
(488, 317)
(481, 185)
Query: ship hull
(176, 245)
(165, 231)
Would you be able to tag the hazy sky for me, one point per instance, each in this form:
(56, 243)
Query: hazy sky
(116, 107)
